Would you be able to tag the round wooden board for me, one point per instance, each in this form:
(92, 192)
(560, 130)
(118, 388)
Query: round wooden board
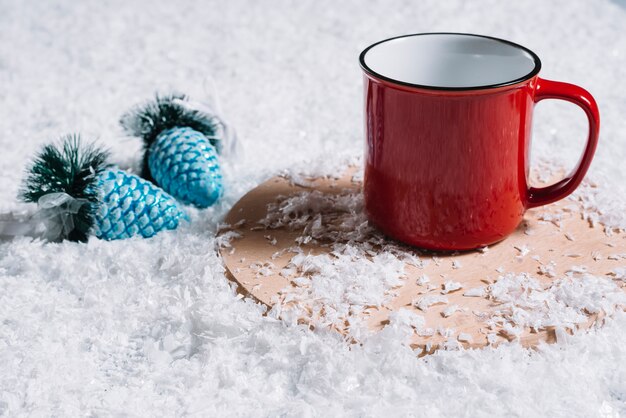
(568, 241)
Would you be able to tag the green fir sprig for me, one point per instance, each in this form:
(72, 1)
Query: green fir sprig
(68, 167)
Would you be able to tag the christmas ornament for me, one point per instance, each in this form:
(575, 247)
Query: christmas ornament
(80, 194)
(182, 144)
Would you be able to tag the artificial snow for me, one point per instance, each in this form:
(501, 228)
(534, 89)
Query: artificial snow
(476, 292)
(450, 286)
(426, 302)
(524, 302)
(153, 327)
(449, 311)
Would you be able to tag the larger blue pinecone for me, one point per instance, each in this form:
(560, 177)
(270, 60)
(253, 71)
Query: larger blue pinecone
(182, 147)
(129, 205)
(79, 194)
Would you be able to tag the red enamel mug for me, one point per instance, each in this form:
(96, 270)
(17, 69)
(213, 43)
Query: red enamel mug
(447, 126)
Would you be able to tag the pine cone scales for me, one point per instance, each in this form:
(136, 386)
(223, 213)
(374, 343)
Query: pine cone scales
(129, 205)
(182, 142)
(80, 194)
(185, 163)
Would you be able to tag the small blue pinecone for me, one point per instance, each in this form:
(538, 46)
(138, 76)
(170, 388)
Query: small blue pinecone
(184, 163)
(130, 205)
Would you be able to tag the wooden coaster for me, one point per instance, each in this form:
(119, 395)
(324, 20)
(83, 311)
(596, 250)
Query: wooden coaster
(551, 242)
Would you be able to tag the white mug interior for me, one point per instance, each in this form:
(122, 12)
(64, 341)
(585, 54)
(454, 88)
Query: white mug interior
(450, 61)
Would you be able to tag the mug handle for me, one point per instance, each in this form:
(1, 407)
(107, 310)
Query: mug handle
(547, 89)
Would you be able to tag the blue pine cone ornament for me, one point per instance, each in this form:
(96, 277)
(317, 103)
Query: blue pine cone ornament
(181, 148)
(79, 194)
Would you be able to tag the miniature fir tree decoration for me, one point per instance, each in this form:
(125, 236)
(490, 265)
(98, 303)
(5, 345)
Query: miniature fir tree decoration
(181, 148)
(79, 194)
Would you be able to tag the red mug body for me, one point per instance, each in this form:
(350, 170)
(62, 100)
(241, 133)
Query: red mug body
(446, 167)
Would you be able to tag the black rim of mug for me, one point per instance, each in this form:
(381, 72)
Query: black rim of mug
(528, 76)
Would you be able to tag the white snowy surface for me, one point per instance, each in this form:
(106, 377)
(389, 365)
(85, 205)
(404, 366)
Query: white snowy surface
(152, 327)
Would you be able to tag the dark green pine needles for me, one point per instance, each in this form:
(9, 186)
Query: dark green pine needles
(165, 112)
(69, 167)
